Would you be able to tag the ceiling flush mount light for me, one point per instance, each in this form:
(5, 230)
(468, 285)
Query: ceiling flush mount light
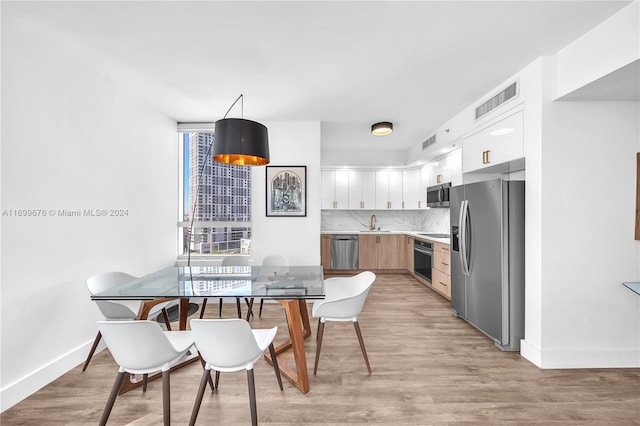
(382, 129)
(241, 142)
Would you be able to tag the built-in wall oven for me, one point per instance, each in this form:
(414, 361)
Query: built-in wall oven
(422, 259)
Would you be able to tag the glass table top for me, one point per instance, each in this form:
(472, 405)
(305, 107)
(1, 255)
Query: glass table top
(272, 282)
(633, 286)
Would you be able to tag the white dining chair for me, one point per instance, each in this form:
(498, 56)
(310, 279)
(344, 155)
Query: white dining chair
(270, 266)
(229, 261)
(344, 300)
(142, 347)
(122, 309)
(228, 345)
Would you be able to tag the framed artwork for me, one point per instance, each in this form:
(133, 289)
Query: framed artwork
(286, 191)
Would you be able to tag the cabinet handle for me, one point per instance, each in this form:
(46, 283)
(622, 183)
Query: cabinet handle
(362, 204)
(403, 204)
(443, 283)
(485, 157)
(445, 264)
(439, 179)
(419, 204)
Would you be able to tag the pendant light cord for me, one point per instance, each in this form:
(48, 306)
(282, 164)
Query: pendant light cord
(193, 209)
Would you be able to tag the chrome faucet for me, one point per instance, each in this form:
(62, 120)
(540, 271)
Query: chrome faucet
(372, 226)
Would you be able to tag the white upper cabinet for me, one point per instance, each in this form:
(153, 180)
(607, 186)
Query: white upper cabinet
(411, 184)
(388, 189)
(447, 169)
(362, 189)
(335, 189)
(494, 145)
(455, 165)
(424, 184)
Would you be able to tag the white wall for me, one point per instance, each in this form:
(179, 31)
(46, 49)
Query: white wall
(72, 138)
(606, 48)
(298, 238)
(588, 249)
(579, 249)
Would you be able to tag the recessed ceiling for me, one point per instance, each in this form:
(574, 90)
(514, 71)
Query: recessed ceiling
(346, 64)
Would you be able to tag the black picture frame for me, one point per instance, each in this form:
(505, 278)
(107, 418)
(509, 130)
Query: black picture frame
(286, 191)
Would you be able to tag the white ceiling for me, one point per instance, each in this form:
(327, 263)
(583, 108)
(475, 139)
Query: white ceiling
(346, 64)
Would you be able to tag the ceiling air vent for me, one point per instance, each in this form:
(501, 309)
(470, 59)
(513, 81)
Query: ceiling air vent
(493, 103)
(426, 144)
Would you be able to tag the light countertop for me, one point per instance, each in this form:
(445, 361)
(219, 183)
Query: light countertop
(415, 234)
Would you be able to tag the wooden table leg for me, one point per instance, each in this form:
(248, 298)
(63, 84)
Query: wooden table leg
(184, 313)
(299, 329)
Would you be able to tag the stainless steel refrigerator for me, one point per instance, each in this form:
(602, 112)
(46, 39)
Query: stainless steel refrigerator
(487, 258)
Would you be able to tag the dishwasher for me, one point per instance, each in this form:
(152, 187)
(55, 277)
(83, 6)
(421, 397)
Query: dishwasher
(344, 252)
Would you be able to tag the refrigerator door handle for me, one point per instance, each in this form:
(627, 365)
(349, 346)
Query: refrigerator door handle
(463, 223)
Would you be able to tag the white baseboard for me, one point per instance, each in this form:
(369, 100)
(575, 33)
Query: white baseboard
(621, 358)
(15, 392)
(531, 353)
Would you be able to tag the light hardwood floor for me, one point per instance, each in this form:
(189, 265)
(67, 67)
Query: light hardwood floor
(428, 368)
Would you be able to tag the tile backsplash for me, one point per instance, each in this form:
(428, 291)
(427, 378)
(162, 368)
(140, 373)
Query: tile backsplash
(431, 220)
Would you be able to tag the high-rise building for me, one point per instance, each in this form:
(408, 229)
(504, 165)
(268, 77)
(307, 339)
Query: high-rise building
(217, 193)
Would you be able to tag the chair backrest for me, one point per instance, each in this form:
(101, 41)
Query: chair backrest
(123, 310)
(245, 246)
(137, 345)
(107, 280)
(235, 261)
(345, 296)
(225, 343)
(275, 260)
(273, 264)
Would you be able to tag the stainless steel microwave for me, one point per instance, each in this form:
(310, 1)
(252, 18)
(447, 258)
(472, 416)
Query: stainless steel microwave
(438, 195)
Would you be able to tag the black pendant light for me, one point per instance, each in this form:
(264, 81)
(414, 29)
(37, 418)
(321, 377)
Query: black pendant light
(241, 142)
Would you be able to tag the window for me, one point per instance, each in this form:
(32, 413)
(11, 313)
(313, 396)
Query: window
(216, 198)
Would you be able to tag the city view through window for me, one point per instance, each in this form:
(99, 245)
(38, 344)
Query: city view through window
(217, 197)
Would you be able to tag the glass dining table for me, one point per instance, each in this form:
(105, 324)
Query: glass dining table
(291, 286)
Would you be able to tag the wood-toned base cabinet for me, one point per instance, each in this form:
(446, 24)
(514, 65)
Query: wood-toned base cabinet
(381, 252)
(441, 273)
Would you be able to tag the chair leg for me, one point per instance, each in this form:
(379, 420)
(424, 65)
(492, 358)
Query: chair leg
(217, 378)
(92, 351)
(166, 319)
(219, 308)
(252, 398)
(204, 305)
(206, 377)
(318, 345)
(260, 313)
(145, 380)
(274, 361)
(238, 307)
(364, 351)
(112, 398)
(249, 303)
(166, 398)
(204, 367)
